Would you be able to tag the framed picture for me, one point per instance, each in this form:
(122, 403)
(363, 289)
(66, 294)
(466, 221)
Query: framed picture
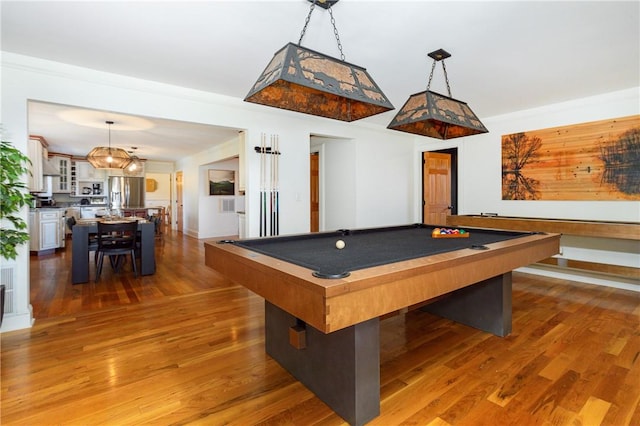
(594, 161)
(222, 182)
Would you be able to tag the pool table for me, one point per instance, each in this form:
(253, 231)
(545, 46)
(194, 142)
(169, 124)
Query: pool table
(323, 304)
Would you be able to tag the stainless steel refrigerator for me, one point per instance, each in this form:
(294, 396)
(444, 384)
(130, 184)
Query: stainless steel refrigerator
(126, 192)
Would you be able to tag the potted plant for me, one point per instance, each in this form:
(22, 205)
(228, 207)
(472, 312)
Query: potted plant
(14, 195)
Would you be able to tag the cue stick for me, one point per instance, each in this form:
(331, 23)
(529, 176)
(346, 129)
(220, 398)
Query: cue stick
(262, 204)
(261, 137)
(270, 190)
(273, 185)
(264, 179)
(277, 162)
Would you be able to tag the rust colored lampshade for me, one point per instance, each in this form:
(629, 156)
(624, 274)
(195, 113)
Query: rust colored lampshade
(432, 114)
(302, 80)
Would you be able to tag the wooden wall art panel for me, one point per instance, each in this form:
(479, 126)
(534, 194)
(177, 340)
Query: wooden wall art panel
(592, 161)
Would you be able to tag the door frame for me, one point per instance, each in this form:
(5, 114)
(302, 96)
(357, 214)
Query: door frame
(179, 201)
(457, 173)
(317, 146)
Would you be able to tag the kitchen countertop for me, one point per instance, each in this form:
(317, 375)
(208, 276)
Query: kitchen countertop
(46, 208)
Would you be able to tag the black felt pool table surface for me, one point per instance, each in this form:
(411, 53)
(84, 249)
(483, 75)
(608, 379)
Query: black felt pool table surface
(365, 248)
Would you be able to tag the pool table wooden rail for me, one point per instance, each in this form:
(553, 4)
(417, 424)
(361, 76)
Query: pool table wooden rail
(330, 305)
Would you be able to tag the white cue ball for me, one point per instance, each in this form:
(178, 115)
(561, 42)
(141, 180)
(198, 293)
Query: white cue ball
(340, 244)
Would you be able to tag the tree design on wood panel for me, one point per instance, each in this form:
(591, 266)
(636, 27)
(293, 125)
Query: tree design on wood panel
(518, 151)
(621, 159)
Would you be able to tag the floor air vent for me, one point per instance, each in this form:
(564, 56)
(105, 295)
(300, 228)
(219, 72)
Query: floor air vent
(8, 278)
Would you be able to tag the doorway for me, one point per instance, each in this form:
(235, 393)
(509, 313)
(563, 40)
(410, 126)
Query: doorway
(439, 185)
(179, 202)
(314, 199)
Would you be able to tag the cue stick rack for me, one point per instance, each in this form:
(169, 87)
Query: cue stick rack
(269, 185)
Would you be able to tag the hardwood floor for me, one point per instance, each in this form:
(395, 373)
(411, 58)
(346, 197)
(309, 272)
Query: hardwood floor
(185, 346)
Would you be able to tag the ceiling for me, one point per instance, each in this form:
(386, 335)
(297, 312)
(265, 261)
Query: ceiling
(506, 55)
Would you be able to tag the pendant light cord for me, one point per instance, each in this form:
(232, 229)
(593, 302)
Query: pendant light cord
(333, 22)
(446, 77)
(109, 123)
(306, 22)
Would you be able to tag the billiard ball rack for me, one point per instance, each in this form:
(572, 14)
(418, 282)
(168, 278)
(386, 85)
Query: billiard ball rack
(449, 233)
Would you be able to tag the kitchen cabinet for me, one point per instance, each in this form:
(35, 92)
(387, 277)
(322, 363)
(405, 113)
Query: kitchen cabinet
(35, 152)
(88, 188)
(87, 181)
(85, 171)
(33, 232)
(45, 229)
(49, 227)
(62, 183)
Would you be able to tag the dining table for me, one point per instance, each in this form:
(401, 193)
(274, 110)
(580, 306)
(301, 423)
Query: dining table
(80, 246)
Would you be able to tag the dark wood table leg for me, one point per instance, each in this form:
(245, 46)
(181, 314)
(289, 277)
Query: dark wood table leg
(80, 255)
(342, 368)
(485, 305)
(147, 249)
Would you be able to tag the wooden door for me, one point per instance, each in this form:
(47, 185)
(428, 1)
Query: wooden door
(314, 204)
(436, 187)
(178, 213)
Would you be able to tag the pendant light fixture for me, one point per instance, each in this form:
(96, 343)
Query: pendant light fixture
(438, 116)
(135, 167)
(303, 80)
(108, 158)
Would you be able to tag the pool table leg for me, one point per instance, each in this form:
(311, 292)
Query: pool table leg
(485, 305)
(342, 368)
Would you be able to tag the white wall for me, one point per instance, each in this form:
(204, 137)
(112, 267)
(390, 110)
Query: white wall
(337, 183)
(213, 222)
(384, 186)
(161, 196)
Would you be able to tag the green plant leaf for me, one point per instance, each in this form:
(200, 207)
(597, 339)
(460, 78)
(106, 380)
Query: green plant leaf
(14, 166)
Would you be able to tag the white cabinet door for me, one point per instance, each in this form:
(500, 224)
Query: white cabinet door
(34, 241)
(49, 235)
(85, 171)
(49, 230)
(34, 151)
(62, 183)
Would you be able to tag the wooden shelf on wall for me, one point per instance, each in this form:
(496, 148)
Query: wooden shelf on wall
(584, 228)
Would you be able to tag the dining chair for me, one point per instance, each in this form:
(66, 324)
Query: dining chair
(93, 240)
(117, 240)
(157, 224)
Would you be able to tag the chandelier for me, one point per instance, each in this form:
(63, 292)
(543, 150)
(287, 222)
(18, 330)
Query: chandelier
(136, 166)
(103, 157)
